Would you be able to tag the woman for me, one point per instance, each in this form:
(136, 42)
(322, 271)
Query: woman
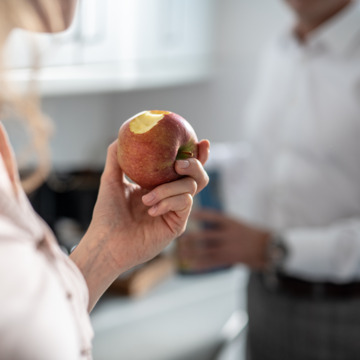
(45, 296)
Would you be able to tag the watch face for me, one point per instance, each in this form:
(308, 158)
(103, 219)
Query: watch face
(278, 252)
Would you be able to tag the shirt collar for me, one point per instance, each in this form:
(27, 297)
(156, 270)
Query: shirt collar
(338, 33)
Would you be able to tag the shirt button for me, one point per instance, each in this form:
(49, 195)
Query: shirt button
(41, 244)
(69, 295)
(84, 352)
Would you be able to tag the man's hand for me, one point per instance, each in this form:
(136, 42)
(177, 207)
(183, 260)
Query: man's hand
(225, 242)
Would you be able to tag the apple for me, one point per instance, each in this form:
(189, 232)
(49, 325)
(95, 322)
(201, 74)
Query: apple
(150, 143)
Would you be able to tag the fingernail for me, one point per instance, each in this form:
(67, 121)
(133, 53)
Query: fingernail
(183, 164)
(152, 210)
(148, 197)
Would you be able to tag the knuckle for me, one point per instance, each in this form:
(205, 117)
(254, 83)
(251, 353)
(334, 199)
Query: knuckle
(110, 148)
(204, 183)
(165, 207)
(188, 200)
(207, 179)
(193, 186)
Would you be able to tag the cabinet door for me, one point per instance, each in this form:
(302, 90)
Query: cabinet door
(99, 31)
(159, 29)
(164, 38)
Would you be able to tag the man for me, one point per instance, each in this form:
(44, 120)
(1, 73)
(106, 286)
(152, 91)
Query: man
(299, 230)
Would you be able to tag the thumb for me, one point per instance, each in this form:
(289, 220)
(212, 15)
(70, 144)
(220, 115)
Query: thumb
(112, 168)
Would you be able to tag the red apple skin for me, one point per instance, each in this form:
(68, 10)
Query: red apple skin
(149, 158)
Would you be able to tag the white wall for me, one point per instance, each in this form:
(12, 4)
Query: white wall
(90, 122)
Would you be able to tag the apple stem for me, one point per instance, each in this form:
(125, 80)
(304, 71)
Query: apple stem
(187, 153)
(184, 153)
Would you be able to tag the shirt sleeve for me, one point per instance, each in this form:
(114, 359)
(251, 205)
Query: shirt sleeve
(329, 253)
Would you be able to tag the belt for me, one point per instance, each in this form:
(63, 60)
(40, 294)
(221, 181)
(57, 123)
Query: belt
(302, 288)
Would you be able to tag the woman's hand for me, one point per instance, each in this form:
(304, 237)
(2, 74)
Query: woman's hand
(131, 225)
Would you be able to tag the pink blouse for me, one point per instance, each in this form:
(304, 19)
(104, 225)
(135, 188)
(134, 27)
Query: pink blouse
(43, 295)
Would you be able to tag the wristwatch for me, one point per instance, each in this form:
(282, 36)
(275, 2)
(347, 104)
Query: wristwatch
(277, 252)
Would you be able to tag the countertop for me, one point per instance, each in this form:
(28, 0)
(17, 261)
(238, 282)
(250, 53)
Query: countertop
(182, 318)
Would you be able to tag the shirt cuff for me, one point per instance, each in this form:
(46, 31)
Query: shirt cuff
(324, 254)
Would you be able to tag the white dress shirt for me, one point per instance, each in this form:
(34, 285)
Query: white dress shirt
(43, 295)
(303, 124)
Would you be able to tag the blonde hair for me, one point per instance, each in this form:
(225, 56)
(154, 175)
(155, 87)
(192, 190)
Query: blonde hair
(38, 15)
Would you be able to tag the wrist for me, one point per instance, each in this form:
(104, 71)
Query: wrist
(96, 264)
(261, 250)
(276, 253)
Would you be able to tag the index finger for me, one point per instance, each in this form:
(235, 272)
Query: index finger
(192, 167)
(204, 150)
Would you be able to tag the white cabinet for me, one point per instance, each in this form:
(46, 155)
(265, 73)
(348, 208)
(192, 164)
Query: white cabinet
(121, 45)
(166, 28)
(26, 50)
(99, 31)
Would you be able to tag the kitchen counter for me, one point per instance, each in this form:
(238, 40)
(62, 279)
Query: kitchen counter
(182, 318)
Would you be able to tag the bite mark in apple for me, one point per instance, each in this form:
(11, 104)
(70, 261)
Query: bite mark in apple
(146, 121)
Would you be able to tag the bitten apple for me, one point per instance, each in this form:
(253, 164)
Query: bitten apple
(150, 143)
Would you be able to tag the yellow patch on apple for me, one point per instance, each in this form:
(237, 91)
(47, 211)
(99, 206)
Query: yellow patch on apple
(145, 121)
